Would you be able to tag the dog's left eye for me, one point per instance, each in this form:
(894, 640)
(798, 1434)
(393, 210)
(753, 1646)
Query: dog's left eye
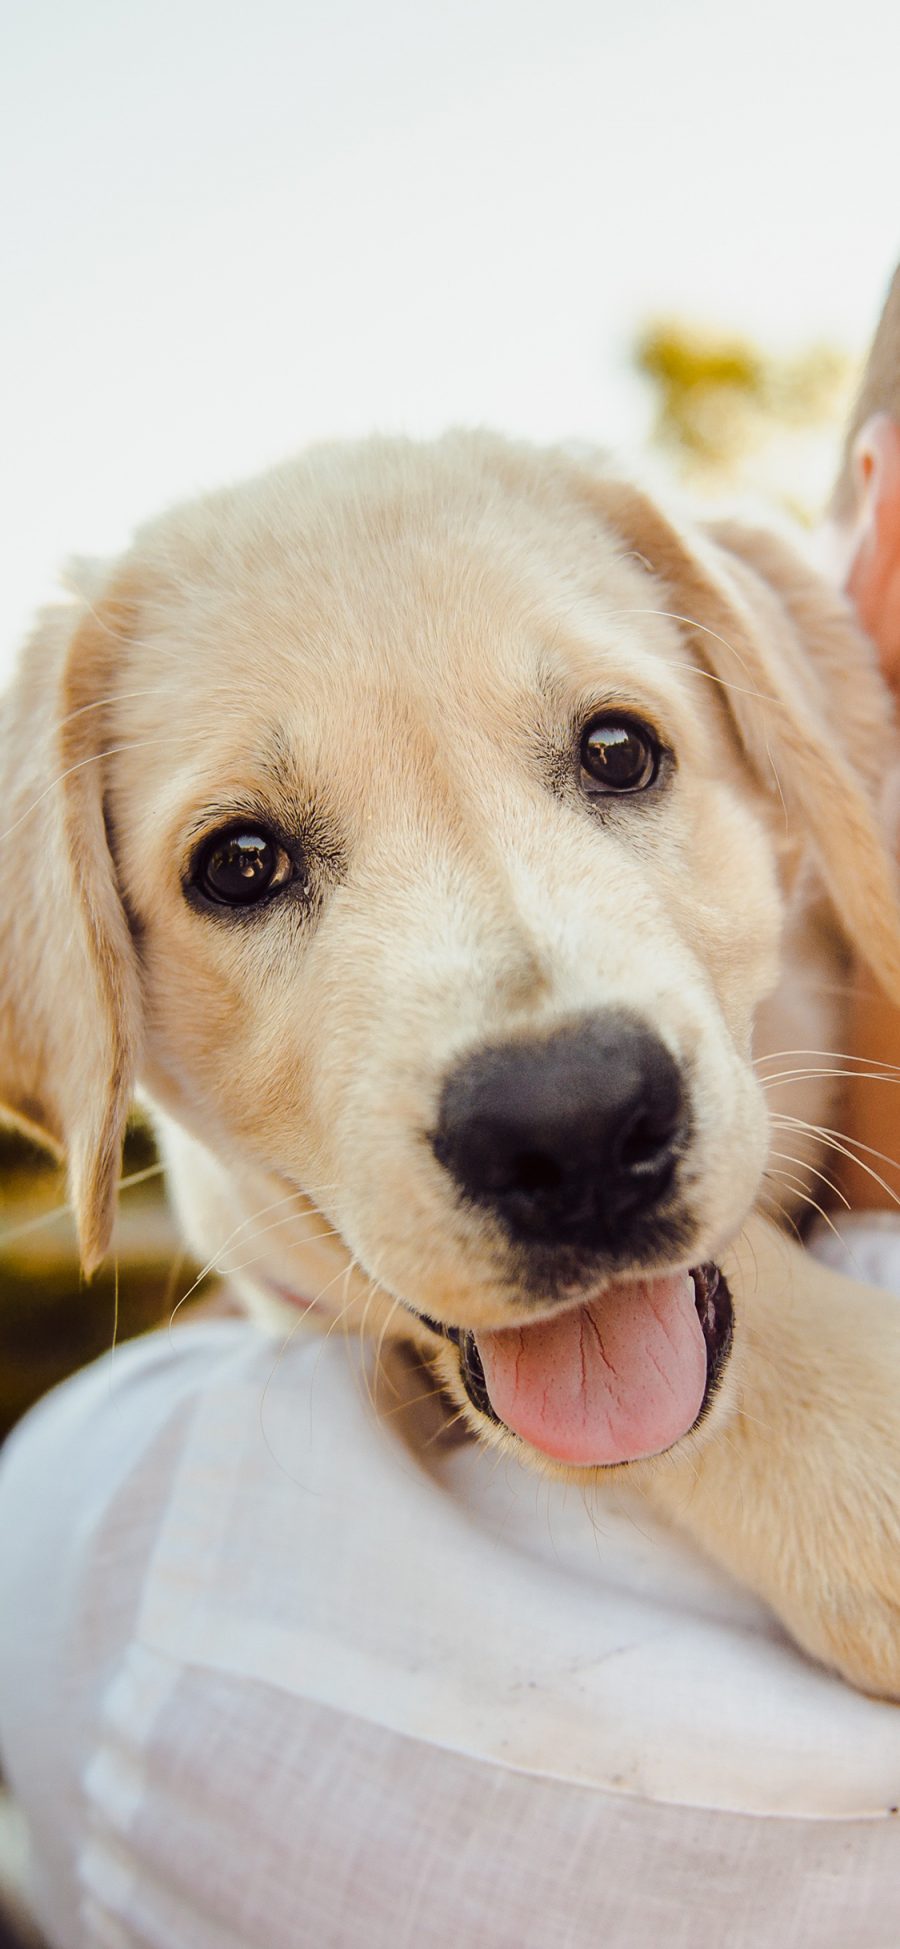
(241, 866)
(618, 754)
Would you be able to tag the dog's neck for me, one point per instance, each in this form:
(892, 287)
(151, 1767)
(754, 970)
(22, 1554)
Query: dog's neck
(277, 1252)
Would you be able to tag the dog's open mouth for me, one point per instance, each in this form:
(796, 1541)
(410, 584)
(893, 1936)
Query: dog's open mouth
(618, 1378)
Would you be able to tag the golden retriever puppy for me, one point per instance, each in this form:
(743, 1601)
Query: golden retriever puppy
(429, 831)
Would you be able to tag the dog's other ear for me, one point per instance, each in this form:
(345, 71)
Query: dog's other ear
(804, 694)
(69, 1007)
(862, 532)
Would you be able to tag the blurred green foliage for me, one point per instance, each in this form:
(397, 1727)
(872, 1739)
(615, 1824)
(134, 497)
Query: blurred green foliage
(50, 1321)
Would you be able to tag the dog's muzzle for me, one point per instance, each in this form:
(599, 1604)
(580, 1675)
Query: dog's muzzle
(571, 1143)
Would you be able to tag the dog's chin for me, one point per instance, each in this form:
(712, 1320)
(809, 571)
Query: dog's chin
(620, 1377)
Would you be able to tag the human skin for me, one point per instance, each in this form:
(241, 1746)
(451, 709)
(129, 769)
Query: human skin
(862, 550)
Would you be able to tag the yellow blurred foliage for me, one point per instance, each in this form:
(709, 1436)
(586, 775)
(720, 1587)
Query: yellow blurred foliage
(732, 416)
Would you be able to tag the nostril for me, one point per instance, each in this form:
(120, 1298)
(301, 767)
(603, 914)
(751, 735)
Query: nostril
(648, 1140)
(532, 1170)
(529, 1171)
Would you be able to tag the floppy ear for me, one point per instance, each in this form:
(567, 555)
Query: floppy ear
(69, 1006)
(801, 684)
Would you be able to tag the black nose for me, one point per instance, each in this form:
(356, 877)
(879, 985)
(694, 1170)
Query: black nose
(568, 1138)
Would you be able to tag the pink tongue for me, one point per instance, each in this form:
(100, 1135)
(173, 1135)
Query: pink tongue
(617, 1378)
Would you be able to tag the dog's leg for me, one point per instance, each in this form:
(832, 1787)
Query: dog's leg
(794, 1484)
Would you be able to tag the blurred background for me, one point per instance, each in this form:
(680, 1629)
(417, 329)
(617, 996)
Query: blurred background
(227, 230)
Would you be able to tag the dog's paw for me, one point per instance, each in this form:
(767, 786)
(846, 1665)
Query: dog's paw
(854, 1627)
(795, 1483)
(830, 1565)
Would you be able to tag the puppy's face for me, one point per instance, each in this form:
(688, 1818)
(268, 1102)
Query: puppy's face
(444, 790)
(453, 910)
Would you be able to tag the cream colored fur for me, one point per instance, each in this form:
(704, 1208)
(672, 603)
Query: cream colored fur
(385, 649)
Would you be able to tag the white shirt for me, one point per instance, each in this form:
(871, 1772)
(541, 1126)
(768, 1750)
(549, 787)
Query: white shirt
(277, 1669)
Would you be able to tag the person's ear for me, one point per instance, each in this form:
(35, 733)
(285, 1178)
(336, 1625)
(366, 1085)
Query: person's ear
(867, 540)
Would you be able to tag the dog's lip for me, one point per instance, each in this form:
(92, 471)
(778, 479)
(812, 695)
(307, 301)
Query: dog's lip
(712, 1300)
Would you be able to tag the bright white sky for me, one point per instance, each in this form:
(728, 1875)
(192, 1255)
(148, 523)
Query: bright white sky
(232, 225)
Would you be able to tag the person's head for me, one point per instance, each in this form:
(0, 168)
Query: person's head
(864, 517)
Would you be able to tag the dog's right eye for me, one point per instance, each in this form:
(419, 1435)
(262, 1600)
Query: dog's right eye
(619, 756)
(242, 866)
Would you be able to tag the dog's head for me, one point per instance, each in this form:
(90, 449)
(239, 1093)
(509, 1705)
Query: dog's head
(416, 824)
